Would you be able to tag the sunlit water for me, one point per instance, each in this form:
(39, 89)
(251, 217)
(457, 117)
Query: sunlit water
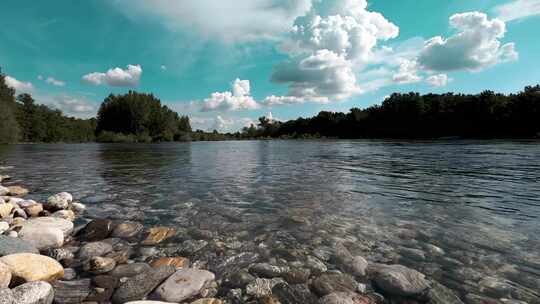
(478, 201)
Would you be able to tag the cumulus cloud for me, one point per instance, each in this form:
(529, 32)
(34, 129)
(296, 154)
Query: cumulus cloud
(326, 49)
(439, 80)
(73, 106)
(408, 73)
(220, 123)
(238, 99)
(518, 9)
(225, 20)
(476, 46)
(116, 77)
(19, 86)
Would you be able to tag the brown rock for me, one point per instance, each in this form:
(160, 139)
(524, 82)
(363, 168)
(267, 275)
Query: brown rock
(178, 262)
(29, 267)
(157, 235)
(33, 210)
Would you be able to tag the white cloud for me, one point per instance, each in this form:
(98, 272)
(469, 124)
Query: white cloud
(327, 50)
(73, 106)
(225, 20)
(55, 82)
(476, 46)
(518, 9)
(19, 86)
(439, 80)
(239, 99)
(116, 77)
(408, 73)
(220, 123)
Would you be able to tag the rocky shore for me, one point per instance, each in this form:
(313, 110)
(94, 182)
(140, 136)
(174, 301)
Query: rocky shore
(50, 252)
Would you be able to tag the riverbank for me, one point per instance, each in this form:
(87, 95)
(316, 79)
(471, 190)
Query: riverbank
(55, 251)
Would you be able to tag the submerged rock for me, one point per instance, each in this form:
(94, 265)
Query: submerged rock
(127, 230)
(130, 270)
(399, 280)
(329, 283)
(293, 294)
(346, 298)
(96, 230)
(94, 249)
(139, 286)
(183, 284)
(262, 287)
(28, 267)
(157, 235)
(178, 262)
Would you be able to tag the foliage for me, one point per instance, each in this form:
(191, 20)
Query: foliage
(9, 128)
(140, 115)
(485, 115)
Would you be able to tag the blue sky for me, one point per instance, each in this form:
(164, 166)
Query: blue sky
(225, 63)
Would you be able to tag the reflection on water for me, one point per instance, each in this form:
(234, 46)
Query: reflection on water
(478, 201)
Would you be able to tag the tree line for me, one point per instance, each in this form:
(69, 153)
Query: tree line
(411, 115)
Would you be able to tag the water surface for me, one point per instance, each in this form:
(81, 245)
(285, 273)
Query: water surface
(479, 201)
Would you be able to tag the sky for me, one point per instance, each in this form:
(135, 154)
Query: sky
(227, 62)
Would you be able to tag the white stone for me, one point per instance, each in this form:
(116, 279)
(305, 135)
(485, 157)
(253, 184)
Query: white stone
(34, 293)
(43, 237)
(185, 283)
(3, 227)
(59, 201)
(49, 222)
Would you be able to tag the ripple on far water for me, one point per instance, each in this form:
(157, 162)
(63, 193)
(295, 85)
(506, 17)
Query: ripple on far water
(465, 212)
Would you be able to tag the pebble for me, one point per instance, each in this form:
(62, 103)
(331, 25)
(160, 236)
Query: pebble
(328, 283)
(33, 293)
(127, 230)
(71, 292)
(42, 237)
(94, 249)
(29, 267)
(157, 235)
(262, 287)
(130, 270)
(183, 284)
(49, 222)
(139, 286)
(399, 280)
(178, 262)
(99, 265)
(58, 201)
(96, 230)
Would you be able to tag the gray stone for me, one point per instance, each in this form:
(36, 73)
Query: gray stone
(9, 245)
(58, 201)
(139, 286)
(130, 270)
(38, 292)
(94, 249)
(6, 296)
(60, 254)
(293, 294)
(439, 294)
(316, 265)
(69, 274)
(42, 237)
(399, 280)
(265, 270)
(71, 292)
(262, 287)
(328, 283)
(346, 298)
(183, 284)
(48, 222)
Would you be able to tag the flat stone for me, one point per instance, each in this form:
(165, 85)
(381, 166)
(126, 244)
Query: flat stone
(71, 292)
(178, 262)
(94, 249)
(29, 267)
(262, 287)
(293, 294)
(99, 265)
(399, 280)
(157, 235)
(96, 230)
(5, 275)
(346, 298)
(127, 230)
(5, 210)
(49, 222)
(58, 201)
(130, 270)
(17, 191)
(328, 283)
(183, 284)
(6, 296)
(42, 238)
(34, 293)
(9, 245)
(139, 286)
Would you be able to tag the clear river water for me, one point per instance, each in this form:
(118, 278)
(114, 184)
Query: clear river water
(478, 202)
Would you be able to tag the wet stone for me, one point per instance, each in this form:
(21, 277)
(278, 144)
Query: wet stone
(127, 230)
(94, 249)
(9, 245)
(99, 265)
(178, 262)
(130, 270)
(239, 279)
(105, 281)
(262, 287)
(157, 235)
(59, 254)
(296, 275)
(346, 298)
(183, 284)
(399, 280)
(293, 294)
(265, 270)
(328, 283)
(139, 286)
(96, 230)
(71, 292)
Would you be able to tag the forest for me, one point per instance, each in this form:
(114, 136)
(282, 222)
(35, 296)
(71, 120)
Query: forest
(415, 116)
(140, 117)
